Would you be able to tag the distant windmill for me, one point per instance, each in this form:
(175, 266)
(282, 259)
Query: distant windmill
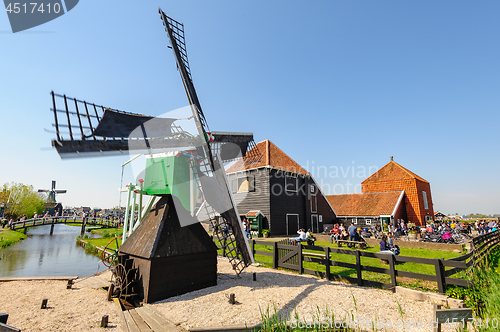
(51, 203)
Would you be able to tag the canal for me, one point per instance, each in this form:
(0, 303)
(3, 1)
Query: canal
(44, 255)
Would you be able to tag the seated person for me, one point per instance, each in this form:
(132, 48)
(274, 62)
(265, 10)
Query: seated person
(344, 235)
(310, 238)
(301, 237)
(390, 240)
(334, 233)
(384, 247)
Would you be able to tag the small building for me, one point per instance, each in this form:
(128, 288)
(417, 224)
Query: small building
(439, 215)
(288, 197)
(84, 209)
(367, 210)
(392, 177)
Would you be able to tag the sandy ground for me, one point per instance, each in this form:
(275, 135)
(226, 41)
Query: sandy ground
(282, 292)
(285, 293)
(78, 309)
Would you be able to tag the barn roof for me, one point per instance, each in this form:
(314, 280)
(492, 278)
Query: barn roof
(392, 171)
(253, 213)
(266, 154)
(368, 204)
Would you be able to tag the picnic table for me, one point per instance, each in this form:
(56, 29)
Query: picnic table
(359, 244)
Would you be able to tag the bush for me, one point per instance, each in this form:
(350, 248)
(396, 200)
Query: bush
(484, 297)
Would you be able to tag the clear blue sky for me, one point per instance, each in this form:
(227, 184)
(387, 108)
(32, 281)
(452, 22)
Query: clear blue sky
(332, 83)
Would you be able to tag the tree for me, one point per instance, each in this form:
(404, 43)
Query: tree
(23, 200)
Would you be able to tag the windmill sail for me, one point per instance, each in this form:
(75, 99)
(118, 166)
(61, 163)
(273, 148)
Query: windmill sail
(85, 129)
(230, 225)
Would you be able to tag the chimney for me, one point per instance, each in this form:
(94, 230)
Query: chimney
(392, 158)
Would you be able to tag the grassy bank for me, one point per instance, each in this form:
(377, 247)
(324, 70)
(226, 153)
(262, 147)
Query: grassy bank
(108, 235)
(8, 237)
(484, 297)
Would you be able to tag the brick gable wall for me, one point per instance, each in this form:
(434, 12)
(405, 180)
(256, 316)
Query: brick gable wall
(414, 201)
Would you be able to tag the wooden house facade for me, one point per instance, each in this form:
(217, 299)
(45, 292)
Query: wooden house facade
(368, 210)
(287, 195)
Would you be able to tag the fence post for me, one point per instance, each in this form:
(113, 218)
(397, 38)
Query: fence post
(327, 262)
(83, 227)
(440, 275)
(253, 247)
(358, 268)
(392, 272)
(275, 255)
(299, 256)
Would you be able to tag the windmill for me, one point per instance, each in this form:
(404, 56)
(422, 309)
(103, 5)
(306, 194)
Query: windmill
(51, 203)
(166, 251)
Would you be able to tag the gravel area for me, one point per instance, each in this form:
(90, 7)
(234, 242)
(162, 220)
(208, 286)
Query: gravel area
(282, 292)
(78, 309)
(286, 292)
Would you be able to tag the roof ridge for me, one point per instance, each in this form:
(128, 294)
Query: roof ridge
(409, 172)
(266, 149)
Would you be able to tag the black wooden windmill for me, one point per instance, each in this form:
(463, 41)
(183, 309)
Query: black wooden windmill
(166, 251)
(51, 203)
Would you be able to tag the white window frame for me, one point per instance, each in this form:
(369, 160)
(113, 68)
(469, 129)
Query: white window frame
(314, 209)
(317, 222)
(368, 221)
(298, 221)
(354, 221)
(426, 202)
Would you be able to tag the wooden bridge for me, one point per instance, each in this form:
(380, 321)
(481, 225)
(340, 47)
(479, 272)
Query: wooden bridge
(62, 220)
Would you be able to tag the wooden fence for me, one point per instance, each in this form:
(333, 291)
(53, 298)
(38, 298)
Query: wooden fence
(291, 256)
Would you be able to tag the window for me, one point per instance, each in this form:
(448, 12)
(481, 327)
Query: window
(355, 221)
(426, 203)
(242, 184)
(233, 183)
(368, 221)
(313, 189)
(314, 203)
(291, 182)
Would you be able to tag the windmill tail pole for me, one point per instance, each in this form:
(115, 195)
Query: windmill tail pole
(127, 212)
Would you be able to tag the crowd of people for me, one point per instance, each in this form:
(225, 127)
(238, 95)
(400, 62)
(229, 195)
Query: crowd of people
(442, 227)
(400, 228)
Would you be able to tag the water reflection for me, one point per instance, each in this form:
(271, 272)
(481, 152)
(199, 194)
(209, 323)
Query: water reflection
(43, 255)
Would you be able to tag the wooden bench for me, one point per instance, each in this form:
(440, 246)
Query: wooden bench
(313, 254)
(361, 245)
(305, 242)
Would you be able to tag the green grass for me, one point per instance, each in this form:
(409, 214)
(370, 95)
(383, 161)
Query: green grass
(102, 242)
(375, 262)
(108, 232)
(8, 237)
(484, 297)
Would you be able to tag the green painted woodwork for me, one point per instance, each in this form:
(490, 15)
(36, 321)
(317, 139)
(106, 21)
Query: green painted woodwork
(169, 175)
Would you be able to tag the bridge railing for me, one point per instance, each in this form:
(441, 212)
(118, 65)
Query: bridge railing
(63, 220)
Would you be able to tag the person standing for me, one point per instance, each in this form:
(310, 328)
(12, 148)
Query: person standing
(352, 232)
